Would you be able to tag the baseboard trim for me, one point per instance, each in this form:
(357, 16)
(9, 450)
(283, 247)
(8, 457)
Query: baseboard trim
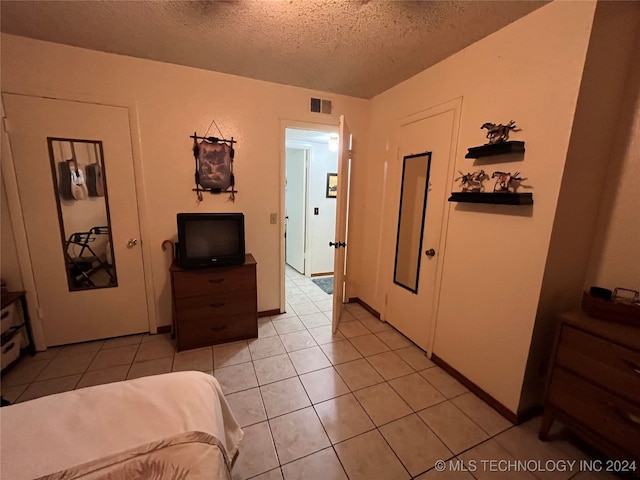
(268, 313)
(492, 402)
(364, 305)
(164, 329)
(529, 413)
(325, 274)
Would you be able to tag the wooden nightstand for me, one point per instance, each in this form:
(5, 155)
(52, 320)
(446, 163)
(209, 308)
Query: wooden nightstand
(594, 384)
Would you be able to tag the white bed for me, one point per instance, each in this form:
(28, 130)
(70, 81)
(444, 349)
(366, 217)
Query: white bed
(176, 425)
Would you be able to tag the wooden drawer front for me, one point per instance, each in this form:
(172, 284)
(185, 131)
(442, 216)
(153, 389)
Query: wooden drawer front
(235, 303)
(609, 416)
(9, 317)
(614, 367)
(213, 280)
(10, 351)
(208, 331)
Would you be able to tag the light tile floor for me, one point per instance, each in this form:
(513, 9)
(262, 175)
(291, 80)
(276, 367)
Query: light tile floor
(364, 403)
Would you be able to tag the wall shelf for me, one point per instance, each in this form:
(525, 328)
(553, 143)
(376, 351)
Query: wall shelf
(503, 198)
(495, 149)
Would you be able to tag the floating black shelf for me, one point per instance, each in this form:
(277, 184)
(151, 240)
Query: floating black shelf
(503, 198)
(495, 149)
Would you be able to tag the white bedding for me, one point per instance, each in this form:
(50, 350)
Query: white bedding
(54, 433)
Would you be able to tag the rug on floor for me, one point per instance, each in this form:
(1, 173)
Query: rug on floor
(325, 283)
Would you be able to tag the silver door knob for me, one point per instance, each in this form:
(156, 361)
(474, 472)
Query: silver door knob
(132, 242)
(430, 253)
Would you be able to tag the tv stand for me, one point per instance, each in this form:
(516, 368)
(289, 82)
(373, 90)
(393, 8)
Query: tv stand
(214, 305)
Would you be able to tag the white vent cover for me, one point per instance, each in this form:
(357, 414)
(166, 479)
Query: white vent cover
(321, 106)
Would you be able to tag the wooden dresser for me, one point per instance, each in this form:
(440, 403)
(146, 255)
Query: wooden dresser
(594, 384)
(214, 305)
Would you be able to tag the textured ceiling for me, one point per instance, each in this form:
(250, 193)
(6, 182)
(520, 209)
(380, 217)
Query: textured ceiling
(353, 47)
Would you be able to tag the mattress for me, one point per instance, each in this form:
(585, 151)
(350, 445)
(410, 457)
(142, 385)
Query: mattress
(91, 432)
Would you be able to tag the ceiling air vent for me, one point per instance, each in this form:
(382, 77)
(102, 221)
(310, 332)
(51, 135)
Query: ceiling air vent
(321, 106)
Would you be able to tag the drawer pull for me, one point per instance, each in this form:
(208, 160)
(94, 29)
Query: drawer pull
(632, 365)
(216, 305)
(8, 347)
(219, 329)
(626, 416)
(5, 315)
(216, 280)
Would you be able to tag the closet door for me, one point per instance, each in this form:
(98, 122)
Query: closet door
(80, 297)
(426, 152)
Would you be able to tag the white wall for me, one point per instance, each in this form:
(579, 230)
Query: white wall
(173, 102)
(322, 226)
(494, 256)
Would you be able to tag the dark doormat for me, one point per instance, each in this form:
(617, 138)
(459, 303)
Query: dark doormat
(325, 283)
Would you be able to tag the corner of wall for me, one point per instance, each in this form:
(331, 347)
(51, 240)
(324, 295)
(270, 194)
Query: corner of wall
(9, 265)
(598, 122)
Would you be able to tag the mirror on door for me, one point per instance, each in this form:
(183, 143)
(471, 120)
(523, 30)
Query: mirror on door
(83, 212)
(411, 217)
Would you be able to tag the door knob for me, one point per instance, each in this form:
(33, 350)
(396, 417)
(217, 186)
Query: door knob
(430, 253)
(132, 242)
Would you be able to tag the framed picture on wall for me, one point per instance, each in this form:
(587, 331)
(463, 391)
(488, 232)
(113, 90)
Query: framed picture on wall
(332, 185)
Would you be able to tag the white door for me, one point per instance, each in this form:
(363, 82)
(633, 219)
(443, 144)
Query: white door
(412, 312)
(81, 315)
(295, 205)
(342, 203)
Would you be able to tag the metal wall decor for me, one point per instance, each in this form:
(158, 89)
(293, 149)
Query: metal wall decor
(214, 165)
(505, 189)
(499, 133)
(472, 181)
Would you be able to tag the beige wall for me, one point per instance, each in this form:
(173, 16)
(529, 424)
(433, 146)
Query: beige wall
(601, 133)
(615, 258)
(10, 267)
(494, 256)
(173, 102)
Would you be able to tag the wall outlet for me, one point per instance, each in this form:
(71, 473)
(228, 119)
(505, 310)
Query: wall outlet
(273, 218)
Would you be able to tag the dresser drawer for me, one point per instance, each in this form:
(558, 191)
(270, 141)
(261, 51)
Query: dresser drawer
(611, 366)
(607, 415)
(9, 317)
(209, 331)
(10, 351)
(194, 283)
(221, 304)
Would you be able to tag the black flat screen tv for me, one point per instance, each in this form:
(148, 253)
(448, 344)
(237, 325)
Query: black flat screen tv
(210, 239)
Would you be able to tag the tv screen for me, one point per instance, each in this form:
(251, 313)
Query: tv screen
(210, 239)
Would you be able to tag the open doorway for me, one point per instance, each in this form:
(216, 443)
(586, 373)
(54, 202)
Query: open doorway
(311, 162)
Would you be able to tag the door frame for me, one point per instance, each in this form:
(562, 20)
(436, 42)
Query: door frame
(14, 204)
(454, 105)
(332, 125)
